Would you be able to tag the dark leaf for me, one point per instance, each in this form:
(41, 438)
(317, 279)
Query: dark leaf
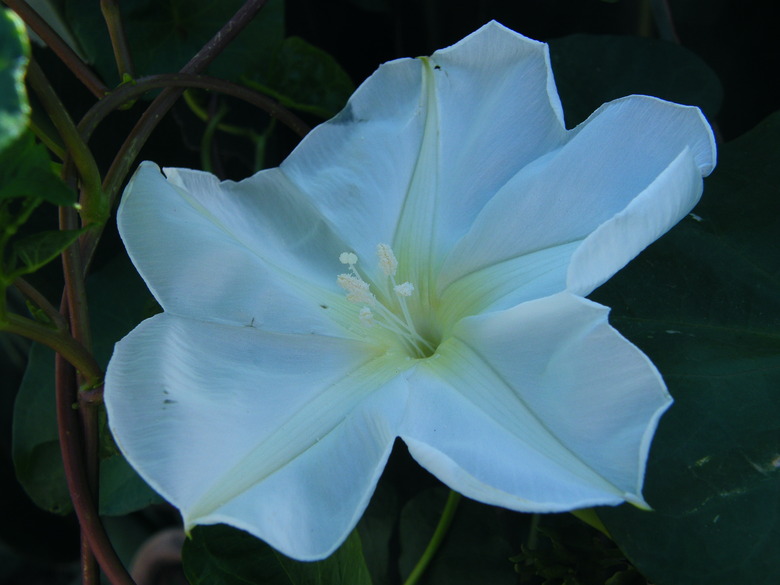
(37, 250)
(593, 69)
(118, 301)
(704, 304)
(305, 78)
(26, 172)
(165, 34)
(222, 555)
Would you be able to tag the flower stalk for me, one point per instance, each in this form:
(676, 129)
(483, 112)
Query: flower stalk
(445, 520)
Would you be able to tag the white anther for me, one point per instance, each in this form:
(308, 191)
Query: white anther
(387, 260)
(366, 316)
(348, 258)
(404, 289)
(357, 289)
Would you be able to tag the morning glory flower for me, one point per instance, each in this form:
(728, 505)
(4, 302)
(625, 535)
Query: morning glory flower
(417, 268)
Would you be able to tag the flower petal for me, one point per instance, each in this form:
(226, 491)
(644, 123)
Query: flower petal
(566, 195)
(649, 216)
(499, 111)
(543, 407)
(581, 265)
(424, 143)
(309, 507)
(249, 253)
(283, 435)
(357, 167)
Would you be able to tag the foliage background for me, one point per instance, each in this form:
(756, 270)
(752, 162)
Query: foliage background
(703, 302)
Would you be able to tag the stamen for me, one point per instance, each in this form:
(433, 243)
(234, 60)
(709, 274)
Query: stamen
(366, 317)
(387, 260)
(405, 289)
(358, 292)
(357, 289)
(348, 258)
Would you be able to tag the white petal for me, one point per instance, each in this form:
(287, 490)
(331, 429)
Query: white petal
(210, 415)
(250, 253)
(357, 167)
(309, 507)
(506, 284)
(424, 143)
(650, 215)
(543, 407)
(499, 111)
(611, 159)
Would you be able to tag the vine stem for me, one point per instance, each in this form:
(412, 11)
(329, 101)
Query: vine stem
(35, 296)
(138, 136)
(93, 204)
(131, 91)
(61, 342)
(445, 520)
(72, 449)
(59, 46)
(116, 30)
(662, 15)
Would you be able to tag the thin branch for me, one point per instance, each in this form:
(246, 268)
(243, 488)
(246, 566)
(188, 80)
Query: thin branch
(662, 15)
(72, 458)
(229, 31)
(73, 271)
(131, 91)
(75, 298)
(35, 296)
(94, 208)
(61, 342)
(116, 30)
(59, 46)
(159, 107)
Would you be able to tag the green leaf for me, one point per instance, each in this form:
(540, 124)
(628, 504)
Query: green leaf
(14, 54)
(704, 304)
(164, 35)
(26, 172)
(36, 448)
(222, 555)
(305, 78)
(593, 69)
(563, 550)
(122, 490)
(37, 250)
(118, 301)
(376, 529)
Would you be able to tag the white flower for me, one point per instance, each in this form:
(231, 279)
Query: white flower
(416, 268)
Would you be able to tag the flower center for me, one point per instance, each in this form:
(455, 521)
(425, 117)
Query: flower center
(391, 312)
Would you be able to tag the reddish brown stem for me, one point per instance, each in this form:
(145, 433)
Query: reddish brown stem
(129, 92)
(72, 449)
(159, 107)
